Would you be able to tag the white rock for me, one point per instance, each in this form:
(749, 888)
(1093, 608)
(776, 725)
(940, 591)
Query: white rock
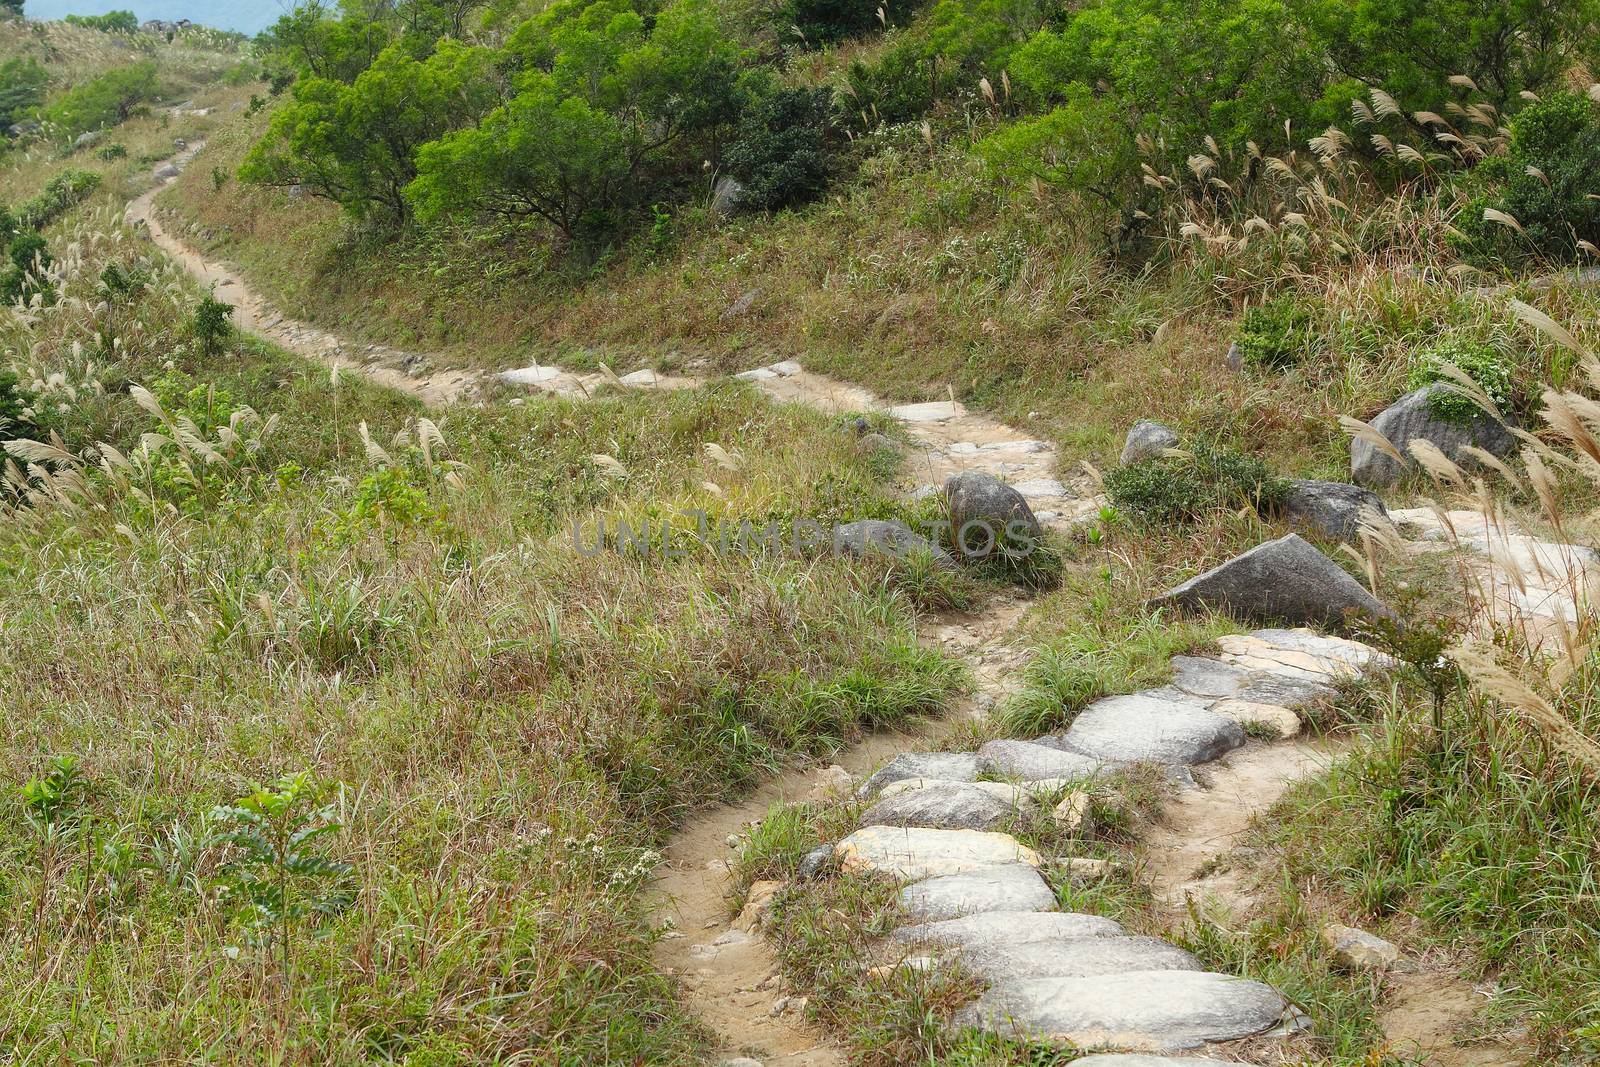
(1152, 1011)
(1073, 810)
(1002, 928)
(644, 377)
(913, 853)
(786, 369)
(1041, 487)
(1139, 729)
(1013, 888)
(1030, 762)
(932, 411)
(1081, 957)
(758, 903)
(759, 374)
(534, 375)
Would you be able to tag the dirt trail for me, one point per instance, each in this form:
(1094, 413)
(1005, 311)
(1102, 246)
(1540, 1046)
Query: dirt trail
(730, 976)
(402, 371)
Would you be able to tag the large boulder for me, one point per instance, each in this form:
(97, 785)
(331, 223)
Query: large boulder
(986, 513)
(1409, 419)
(1147, 440)
(727, 197)
(866, 538)
(1283, 579)
(1336, 510)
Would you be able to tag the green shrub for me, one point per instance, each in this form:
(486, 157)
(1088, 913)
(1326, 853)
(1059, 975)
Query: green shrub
(900, 86)
(115, 150)
(1485, 364)
(781, 150)
(1277, 334)
(212, 325)
(110, 22)
(14, 403)
(66, 190)
(1548, 181)
(20, 277)
(22, 85)
(1205, 479)
(820, 22)
(105, 101)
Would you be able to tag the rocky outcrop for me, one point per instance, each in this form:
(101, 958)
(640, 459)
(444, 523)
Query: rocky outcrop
(1409, 419)
(1285, 579)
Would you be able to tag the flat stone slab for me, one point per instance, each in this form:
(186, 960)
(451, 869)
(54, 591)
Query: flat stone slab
(945, 766)
(1030, 762)
(1144, 1011)
(1014, 928)
(1139, 729)
(1288, 692)
(758, 374)
(640, 378)
(534, 375)
(1244, 712)
(951, 805)
(1210, 678)
(913, 853)
(1014, 888)
(1041, 487)
(932, 411)
(1078, 957)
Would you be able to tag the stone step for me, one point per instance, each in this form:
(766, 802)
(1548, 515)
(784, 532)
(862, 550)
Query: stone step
(949, 805)
(1017, 887)
(1078, 957)
(1145, 729)
(1008, 928)
(914, 853)
(1029, 762)
(1141, 1011)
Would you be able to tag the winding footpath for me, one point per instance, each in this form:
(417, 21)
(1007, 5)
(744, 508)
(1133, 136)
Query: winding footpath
(1226, 729)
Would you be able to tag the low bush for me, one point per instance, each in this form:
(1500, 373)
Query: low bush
(110, 22)
(22, 85)
(14, 421)
(1277, 334)
(63, 192)
(1182, 488)
(1484, 363)
(1545, 188)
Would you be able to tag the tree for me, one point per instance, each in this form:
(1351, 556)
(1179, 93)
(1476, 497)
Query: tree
(22, 83)
(604, 112)
(107, 100)
(781, 152)
(356, 144)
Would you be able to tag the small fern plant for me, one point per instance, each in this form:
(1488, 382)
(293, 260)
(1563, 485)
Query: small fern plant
(279, 876)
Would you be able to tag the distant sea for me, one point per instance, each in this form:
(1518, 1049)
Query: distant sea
(245, 16)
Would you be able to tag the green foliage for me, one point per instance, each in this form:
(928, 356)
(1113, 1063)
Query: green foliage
(820, 22)
(311, 43)
(61, 193)
(14, 406)
(22, 85)
(211, 324)
(781, 150)
(1485, 364)
(1413, 47)
(54, 800)
(608, 110)
(1547, 181)
(356, 143)
(1278, 334)
(1082, 144)
(280, 879)
(110, 22)
(104, 101)
(22, 276)
(901, 85)
(1182, 488)
(1178, 70)
(115, 150)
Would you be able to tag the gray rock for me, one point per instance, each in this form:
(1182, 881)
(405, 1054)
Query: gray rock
(1207, 677)
(986, 513)
(1078, 957)
(1147, 440)
(741, 306)
(1283, 579)
(867, 538)
(813, 863)
(1030, 762)
(1408, 419)
(167, 170)
(1336, 510)
(727, 197)
(1265, 688)
(1014, 888)
(1015, 928)
(874, 443)
(84, 140)
(945, 766)
(948, 805)
(1358, 950)
(1154, 1011)
(1137, 728)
